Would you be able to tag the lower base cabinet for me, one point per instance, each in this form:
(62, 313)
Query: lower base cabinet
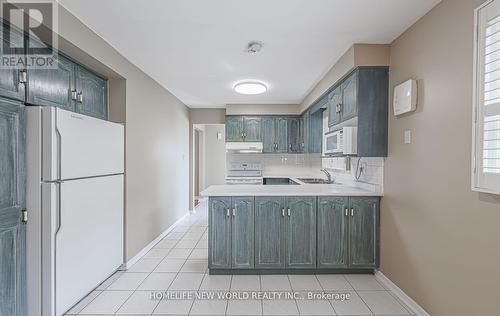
(231, 232)
(348, 234)
(285, 229)
(286, 233)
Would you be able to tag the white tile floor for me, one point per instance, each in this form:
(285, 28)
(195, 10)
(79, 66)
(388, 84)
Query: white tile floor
(179, 263)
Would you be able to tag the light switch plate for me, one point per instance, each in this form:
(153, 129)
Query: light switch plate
(407, 137)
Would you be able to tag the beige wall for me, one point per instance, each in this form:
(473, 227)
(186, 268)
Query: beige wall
(215, 155)
(157, 136)
(356, 55)
(440, 240)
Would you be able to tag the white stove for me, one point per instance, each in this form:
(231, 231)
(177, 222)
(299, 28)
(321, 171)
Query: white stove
(244, 173)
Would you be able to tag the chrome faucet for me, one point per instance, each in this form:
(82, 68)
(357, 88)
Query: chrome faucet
(328, 175)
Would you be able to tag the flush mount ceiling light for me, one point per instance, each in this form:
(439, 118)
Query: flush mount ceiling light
(250, 87)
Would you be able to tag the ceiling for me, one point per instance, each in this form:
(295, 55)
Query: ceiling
(196, 48)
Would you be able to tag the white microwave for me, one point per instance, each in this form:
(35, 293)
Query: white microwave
(341, 142)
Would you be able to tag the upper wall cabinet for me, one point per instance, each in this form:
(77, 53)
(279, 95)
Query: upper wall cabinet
(364, 95)
(275, 134)
(91, 95)
(11, 81)
(52, 87)
(243, 129)
(69, 86)
(295, 135)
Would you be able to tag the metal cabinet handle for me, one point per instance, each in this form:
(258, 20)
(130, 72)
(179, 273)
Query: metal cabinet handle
(73, 95)
(283, 212)
(290, 146)
(234, 212)
(352, 212)
(23, 76)
(288, 211)
(79, 97)
(346, 212)
(227, 212)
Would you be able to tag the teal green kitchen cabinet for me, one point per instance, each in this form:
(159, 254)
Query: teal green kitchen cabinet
(335, 107)
(363, 94)
(285, 232)
(349, 105)
(242, 232)
(295, 135)
(243, 129)
(12, 81)
(91, 93)
(275, 134)
(234, 128)
(70, 87)
(363, 232)
(300, 225)
(53, 87)
(348, 232)
(219, 252)
(270, 232)
(12, 203)
(333, 232)
(306, 117)
(231, 232)
(252, 129)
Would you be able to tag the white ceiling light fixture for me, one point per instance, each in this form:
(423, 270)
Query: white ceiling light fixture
(250, 87)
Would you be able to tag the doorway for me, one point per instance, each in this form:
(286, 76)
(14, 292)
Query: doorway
(209, 157)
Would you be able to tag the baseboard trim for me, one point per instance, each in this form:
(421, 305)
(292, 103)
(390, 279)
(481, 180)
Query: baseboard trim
(150, 246)
(415, 308)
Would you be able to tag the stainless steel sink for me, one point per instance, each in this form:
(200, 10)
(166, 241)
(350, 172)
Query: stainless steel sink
(316, 181)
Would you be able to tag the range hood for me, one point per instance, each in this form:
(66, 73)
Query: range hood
(244, 147)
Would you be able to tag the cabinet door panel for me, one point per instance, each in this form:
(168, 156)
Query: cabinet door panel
(234, 128)
(316, 132)
(305, 132)
(350, 97)
(94, 97)
(334, 104)
(294, 135)
(301, 232)
(253, 129)
(332, 232)
(12, 201)
(9, 78)
(363, 236)
(281, 134)
(269, 248)
(268, 135)
(242, 232)
(219, 252)
(52, 86)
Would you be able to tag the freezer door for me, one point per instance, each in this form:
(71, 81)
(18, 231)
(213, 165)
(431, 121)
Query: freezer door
(89, 236)
(80, 146)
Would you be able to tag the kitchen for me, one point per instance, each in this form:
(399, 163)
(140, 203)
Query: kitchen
(249, 158)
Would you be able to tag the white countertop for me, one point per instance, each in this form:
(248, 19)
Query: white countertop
(287, 190)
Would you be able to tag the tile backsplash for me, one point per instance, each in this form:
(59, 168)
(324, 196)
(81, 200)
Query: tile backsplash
(282, 164)
(344, 171)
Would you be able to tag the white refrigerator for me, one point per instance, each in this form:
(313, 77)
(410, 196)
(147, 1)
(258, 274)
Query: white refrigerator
(75, 206)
